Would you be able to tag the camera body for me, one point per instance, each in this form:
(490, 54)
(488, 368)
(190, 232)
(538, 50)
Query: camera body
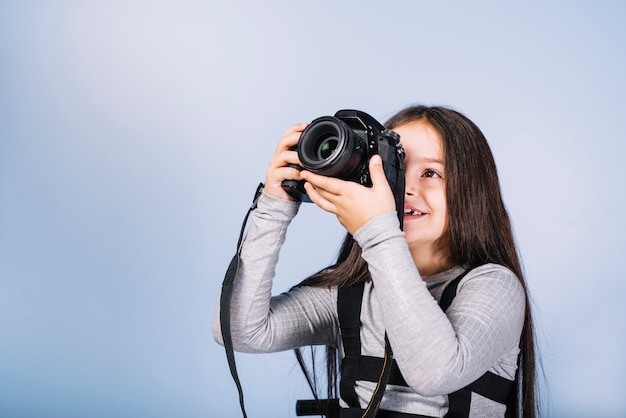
(341, 146)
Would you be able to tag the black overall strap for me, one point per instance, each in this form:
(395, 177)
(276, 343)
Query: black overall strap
(450, 291)
(489, 385)
(382, 413)
(349, 300)
(368, 368)
(355, 366)
(225, 300)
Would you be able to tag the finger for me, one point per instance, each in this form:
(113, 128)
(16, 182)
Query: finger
(318, 197)
(329, 185)
(291, 136)
(377, 173)
(284, 157)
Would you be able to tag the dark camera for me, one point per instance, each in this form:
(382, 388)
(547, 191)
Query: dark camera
(341, 146)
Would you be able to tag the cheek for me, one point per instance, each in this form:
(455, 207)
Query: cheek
(437, 199)
(442, 209)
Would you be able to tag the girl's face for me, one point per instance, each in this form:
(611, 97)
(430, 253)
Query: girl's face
(425, 209)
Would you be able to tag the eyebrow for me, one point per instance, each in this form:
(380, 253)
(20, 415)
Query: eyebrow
(432, 160)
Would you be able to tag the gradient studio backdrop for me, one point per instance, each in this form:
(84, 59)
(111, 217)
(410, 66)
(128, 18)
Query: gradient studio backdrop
(133, 135)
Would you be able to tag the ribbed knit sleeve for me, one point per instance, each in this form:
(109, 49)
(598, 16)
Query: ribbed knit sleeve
(260, 322)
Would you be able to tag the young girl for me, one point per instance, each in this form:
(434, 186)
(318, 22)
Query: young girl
(470, 354)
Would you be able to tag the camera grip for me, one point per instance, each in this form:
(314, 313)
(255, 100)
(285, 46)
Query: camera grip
(295, 188)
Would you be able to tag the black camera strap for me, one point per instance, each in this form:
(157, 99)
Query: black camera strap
(400, 188)
(226, 298)
(227, 294)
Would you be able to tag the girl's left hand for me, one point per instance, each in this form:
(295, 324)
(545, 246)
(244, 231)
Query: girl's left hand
(353, 203)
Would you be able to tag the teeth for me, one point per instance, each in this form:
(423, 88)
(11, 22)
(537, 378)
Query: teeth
(412, 212)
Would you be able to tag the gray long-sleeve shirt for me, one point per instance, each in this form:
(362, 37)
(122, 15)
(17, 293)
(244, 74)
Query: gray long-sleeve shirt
(437, 353)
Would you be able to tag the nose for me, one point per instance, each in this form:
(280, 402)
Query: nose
(411, 183)
(410, 189)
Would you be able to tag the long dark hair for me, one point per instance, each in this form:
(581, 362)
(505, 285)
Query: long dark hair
(478, 232)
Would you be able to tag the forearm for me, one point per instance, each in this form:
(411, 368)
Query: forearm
(253, 283)
(438, 353)
(260, 322)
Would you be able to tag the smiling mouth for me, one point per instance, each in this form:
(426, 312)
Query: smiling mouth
(413, 212)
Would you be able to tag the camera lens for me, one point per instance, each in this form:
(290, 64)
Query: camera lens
(329, 147)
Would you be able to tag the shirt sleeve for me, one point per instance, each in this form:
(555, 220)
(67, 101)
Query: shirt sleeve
(260, 322)
(439, 353)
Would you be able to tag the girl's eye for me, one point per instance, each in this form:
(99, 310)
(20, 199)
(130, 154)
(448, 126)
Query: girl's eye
(431, 174)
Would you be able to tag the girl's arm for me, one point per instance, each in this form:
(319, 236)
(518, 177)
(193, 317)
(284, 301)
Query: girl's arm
(439, 352)
(260, 322)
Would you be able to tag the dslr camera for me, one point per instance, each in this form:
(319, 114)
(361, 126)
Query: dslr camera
(341, 146)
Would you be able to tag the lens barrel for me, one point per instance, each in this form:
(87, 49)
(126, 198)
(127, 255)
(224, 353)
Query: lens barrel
(329, 147)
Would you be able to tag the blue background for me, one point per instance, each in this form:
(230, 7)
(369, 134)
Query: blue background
(133, 135)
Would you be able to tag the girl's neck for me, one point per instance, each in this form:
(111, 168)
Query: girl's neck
(429, 261)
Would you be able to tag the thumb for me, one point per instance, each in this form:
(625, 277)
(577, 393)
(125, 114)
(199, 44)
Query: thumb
(376, 170)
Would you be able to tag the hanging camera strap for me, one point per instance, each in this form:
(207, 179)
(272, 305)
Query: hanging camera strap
(227, 294)
(226, 297)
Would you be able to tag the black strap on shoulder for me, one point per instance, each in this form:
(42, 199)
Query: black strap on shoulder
(450, 291)
(349, 301)
(226, 298)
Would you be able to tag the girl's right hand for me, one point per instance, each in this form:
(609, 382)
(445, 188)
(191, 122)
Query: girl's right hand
(279, 168)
